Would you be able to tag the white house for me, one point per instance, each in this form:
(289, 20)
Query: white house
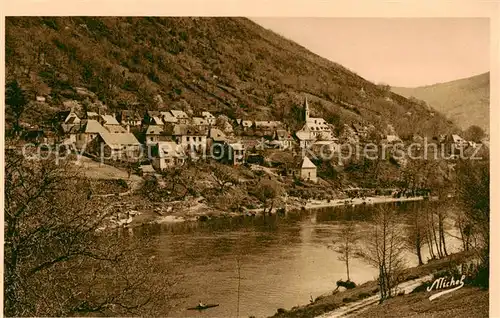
(458, 141)
(116, 145)
(308, 170)
(168, 118)
(111, 124)
(209, 118)
(246, 124)
(234, 153)
(166, 154)
(67, 117)
(87, 131)
(200, 122)
(392, 139)
(130, 118)
(190, 138)
(283, 138)
(182, 117)
(152, 134)
(153, 117)
(108, 120)
(306, 137)
(267, 125)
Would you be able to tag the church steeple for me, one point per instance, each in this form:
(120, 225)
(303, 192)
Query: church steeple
(306, 110)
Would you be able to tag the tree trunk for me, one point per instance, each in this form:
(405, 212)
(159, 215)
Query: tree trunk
(381, 284)
(462, 236)
(429, 238)
(441, 232)
(347, 265)
(418, 245)
(438, 242)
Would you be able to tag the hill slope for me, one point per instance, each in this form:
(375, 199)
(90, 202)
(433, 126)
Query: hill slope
(465, 101)
(224, 65)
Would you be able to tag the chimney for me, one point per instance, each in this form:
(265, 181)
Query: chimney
(128, 128)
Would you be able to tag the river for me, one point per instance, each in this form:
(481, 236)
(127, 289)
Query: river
(283, 261)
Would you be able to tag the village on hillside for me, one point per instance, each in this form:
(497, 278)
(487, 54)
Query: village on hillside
(212, 166)
(159, 140)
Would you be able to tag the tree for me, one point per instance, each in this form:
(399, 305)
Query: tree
(474, 133)
(346, 245)
(55, 261)
(267, 191)
(383, 248)
(181, 181)
(16, 102)
(416, 232)
(473, 190)
(223, 176)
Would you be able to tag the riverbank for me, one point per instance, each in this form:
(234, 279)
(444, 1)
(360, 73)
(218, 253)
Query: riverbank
(464, 303)
(324, 306)
(196, 209)
(315, 204)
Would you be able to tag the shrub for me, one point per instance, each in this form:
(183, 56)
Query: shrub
(421, 288)
(346, 284)
(363, 295)
(347, 300)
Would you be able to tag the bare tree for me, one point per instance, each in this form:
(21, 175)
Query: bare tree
(55, 261)
(416, 232)
(346, 245)
(383, 248)
(473, 189)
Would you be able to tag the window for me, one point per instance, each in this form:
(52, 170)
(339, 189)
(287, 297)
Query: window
(187, 138)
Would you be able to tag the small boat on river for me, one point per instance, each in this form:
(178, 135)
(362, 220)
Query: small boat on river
(203, 307)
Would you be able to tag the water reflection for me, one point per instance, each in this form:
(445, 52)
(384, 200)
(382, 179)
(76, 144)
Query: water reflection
(284, 259)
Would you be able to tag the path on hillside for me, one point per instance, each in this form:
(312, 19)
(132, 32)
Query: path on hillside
(356, 307)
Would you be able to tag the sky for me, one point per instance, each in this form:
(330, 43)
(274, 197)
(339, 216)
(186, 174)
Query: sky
(405, 52)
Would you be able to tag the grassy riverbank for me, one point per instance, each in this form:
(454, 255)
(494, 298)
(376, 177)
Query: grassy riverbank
(336, 300)
(464, 303)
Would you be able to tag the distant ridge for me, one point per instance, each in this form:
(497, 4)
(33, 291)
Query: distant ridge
(465, 101)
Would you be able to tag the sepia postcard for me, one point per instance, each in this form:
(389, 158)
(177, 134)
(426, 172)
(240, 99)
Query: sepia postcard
(226, 160)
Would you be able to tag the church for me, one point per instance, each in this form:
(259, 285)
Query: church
(314, 129)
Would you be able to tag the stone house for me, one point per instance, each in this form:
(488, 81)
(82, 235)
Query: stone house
(283, 138)
(130, 118)
(115, 146)
(153, 117)
(200, 122)
(234, 153)
(166, 154)
(306, 137)
(182, 117)
(209, 118)
(152, 134)
(192, 139)
(168, 118)
(87, 131)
